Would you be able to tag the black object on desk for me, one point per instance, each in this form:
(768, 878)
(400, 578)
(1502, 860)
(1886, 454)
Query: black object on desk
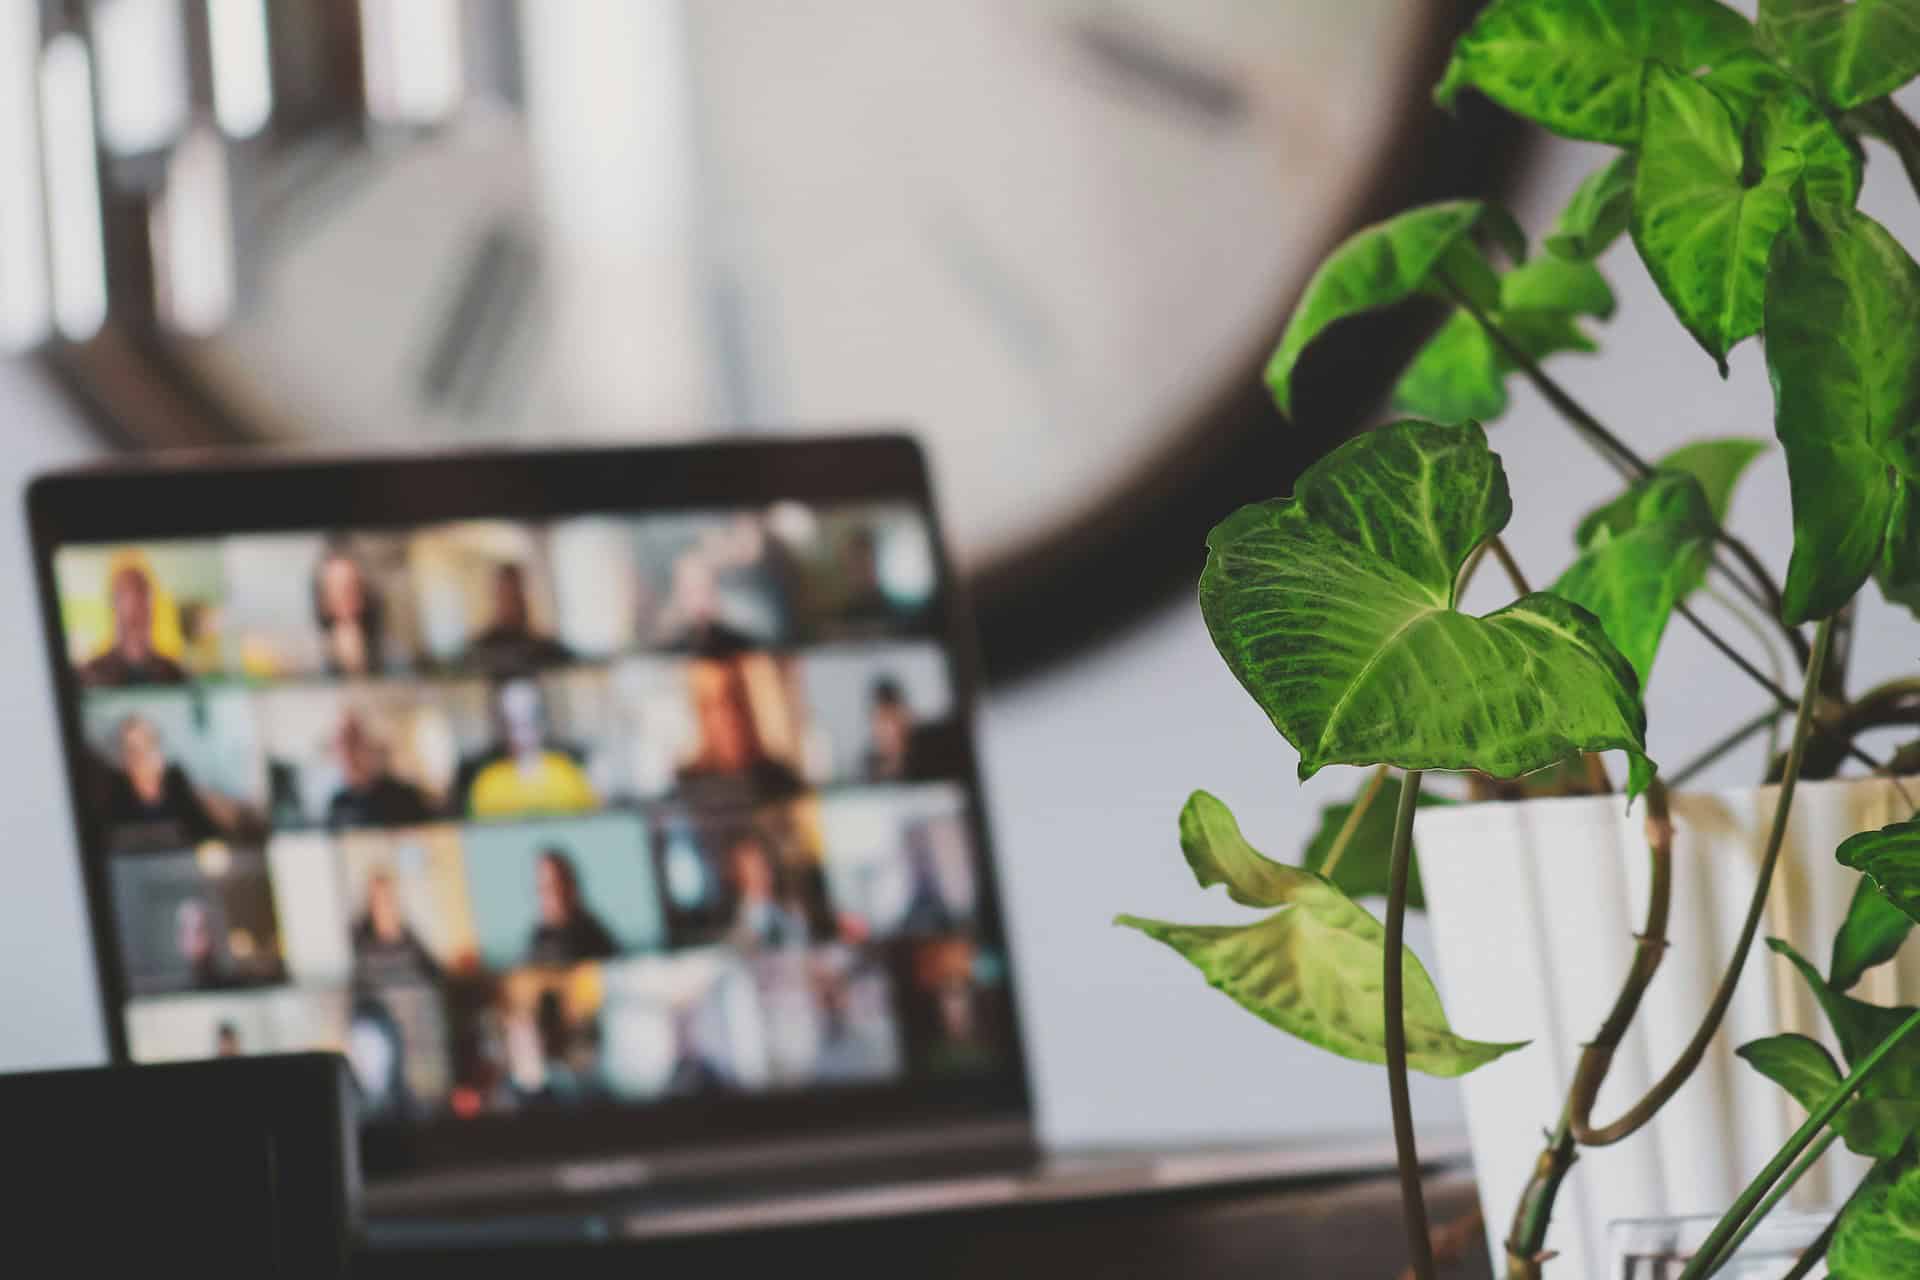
(240, 1167)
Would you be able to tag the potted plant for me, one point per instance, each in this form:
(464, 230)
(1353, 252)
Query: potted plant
(1739, 165)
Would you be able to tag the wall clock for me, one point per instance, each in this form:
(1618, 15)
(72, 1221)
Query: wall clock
(1055, 237)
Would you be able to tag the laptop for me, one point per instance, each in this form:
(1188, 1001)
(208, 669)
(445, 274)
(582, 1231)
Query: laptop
(614, 812)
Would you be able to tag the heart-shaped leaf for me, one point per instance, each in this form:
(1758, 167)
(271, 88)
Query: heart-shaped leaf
(1886, 1112)
(1361, 871)
(1877, 1236)
(1870, 935)
(1718, 465)
(1711, 194)
(1378, 266)
(1575, 65)
(1890, 857)
(1335, 609)
(1798, 1064)
(1843, 352)
(1851, 53)
(1598, 212)
(1313, 968)
(1555, 284)
(1461, 376)
(1633, 572)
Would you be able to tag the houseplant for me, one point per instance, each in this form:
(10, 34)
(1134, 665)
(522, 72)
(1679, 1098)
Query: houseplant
(1741, 146)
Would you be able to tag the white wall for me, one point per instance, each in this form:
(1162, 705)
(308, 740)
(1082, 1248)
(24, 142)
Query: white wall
(49, 1014)
(1087, 767)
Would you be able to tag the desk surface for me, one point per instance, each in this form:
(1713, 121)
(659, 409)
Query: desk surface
(1327, 1227)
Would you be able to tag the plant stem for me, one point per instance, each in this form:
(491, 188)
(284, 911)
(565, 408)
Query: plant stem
(1597, 1057)
(1762, 639)
(1887, 122)
(1775, 1196)
(1504, 555)
(1412, 1199)
(1707, 1257)
(1531, 1218)
(1344, 837)
(1526, 1242)
(1810, 1256)
(1762, 590)
(1759, 677)
(1706, 759)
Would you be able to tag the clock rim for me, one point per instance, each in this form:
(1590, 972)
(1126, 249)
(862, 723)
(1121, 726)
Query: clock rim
(1119, 557)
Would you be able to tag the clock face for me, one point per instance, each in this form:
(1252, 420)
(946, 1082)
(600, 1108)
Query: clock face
(1040, 233)
(1052, 238)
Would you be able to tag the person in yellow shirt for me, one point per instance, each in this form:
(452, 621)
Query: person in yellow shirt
(530, 776)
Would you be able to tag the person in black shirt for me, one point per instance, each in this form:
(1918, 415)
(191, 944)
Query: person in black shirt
(732, 756)
(371, 795)
(348, 611)
(150, 800)
(385, 947)
(131, 658)
(568, 931)
(510, 645)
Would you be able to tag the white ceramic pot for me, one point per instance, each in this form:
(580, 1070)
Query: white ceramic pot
(1534, 907)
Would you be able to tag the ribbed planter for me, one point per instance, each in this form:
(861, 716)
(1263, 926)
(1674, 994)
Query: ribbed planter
(1534, 907)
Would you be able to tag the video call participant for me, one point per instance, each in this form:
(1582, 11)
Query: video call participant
(370, 795)
(510, 645)
(348, 611)
(193, 940)
(731, 751)
(226, 1041)
(899, 747)
(889, 755)
(385, 947)
(568, 931)
(569, 1055)
(377, 1052)
(150, 800)
(131, 657)
(524, 773)
(764, 912)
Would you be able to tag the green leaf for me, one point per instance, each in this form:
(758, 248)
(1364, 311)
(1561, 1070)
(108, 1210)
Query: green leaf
(1575, 65)
(1800, 1065)
(1362, 869)
(1898, 572)
(1313, 968)
(1879, 1121)
(1890, 857)
(1632, 579)
(1851, 53)
(1457, 376)
(1461, 376)
(1870, 935)
(1377, 267)
(1218, 854)
(1717, 465)
(1335, 610)
(1556, 284)
(1878, 1234)
(1707, 207)
(1598, 212)
(1843, 353)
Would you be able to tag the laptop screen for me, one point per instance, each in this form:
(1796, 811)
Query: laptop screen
(662, 815)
